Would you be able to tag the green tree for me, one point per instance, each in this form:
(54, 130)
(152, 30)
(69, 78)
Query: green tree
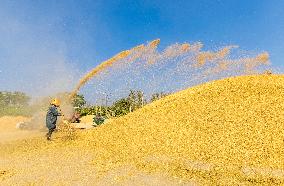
(157, 96)
(20, 99)
(136, 100)
(17, 99)
(131, 100)
(121, 107)
(79, 101)
(14, 103)
(141, 101)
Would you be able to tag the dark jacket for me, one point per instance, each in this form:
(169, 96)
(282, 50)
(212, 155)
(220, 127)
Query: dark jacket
(51, 116)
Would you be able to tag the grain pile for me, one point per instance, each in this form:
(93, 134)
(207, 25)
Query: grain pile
(225, 131)
(87, 119)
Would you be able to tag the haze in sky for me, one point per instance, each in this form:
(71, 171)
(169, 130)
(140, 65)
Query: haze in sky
(46, 46)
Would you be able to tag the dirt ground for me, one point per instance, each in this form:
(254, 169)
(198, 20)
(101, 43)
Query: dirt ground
(28, 159)
(69, 166)
(9, 132)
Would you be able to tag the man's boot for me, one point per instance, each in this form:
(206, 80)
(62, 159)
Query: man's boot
(48, 135)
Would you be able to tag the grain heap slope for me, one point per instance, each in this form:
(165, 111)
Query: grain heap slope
(224, 132)
(236, 121)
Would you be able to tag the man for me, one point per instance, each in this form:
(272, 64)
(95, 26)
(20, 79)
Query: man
(75, 117)
(51, 117)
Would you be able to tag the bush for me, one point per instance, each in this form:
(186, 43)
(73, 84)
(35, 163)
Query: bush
(98, 120)
(15, 111)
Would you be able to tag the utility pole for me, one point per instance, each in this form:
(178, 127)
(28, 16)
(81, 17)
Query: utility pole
(101, 106)
(142, 99)
(106, 99)
(96, 107)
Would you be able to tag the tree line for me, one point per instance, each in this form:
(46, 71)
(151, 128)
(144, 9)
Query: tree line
(13, 103)
(133, 101)
(17, 103)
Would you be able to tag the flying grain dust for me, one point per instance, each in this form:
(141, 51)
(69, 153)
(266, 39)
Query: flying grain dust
(110, 62)
(177, 67)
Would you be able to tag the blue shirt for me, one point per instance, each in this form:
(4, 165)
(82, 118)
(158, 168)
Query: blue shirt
(51, 116)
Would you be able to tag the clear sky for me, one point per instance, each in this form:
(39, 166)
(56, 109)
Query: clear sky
(38, 37)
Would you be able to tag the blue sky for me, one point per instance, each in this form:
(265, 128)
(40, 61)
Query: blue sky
(38, 38)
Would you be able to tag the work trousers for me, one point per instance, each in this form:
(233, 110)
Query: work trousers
(50, 131)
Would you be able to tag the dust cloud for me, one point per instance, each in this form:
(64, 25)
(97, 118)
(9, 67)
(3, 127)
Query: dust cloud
(178, 66)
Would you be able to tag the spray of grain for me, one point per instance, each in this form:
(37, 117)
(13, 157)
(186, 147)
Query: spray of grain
(100, 68)
(209, 56)
(176, 67)
(109, 63)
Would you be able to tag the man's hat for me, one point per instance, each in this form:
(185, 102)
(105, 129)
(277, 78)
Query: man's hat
(55, 102)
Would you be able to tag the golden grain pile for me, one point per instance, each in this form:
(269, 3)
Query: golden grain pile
(227, 130)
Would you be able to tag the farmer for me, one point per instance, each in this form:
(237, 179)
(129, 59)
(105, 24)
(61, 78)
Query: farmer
(51, 117)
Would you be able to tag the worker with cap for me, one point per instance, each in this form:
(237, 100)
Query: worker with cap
(51, 116)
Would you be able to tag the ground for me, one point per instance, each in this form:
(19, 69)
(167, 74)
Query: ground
(57, 163)
(9, 132)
